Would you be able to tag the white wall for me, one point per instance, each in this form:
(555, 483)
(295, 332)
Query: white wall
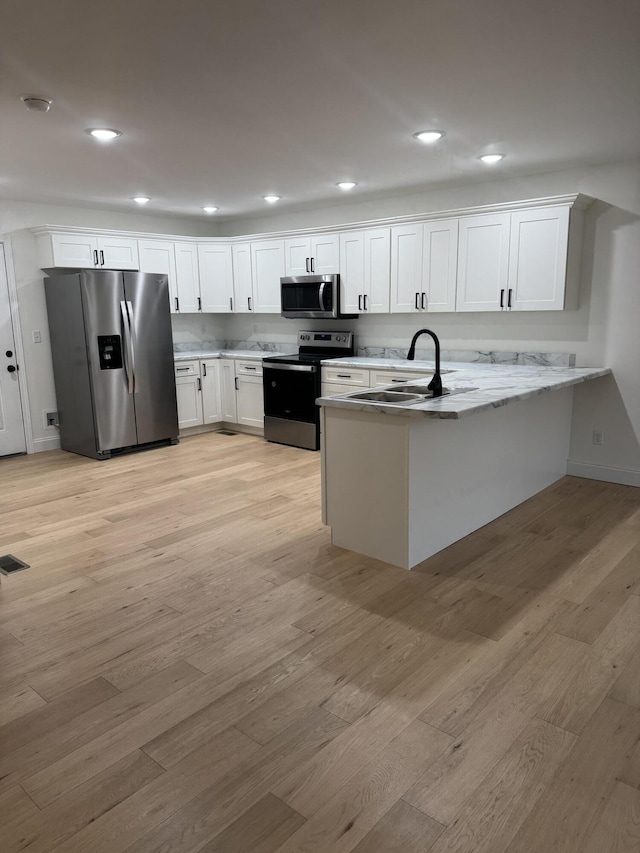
(17, 218)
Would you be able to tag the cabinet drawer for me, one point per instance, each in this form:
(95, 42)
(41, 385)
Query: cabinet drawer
(248, 368)
(389, 377)
(346, 375)
(187, 368)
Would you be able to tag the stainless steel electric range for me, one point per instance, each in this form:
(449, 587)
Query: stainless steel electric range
(292, 385)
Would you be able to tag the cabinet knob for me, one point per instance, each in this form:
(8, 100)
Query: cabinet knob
(12, 368)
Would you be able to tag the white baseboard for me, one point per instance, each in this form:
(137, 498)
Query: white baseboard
(623, 476)
(42, 444)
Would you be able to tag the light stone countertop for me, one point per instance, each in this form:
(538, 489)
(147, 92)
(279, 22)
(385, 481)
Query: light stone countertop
(247, 355)
(494, 385)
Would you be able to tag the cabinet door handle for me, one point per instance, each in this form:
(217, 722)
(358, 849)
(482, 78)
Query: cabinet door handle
(509, 298)
(231, 303)
(199, 304)
(249, 303)
(250, 368)
(343, 375)
(101, 258)
(365, 302)
(204, 369)
(199, 384)
(306, 264)
(179, 369)
(423, 301)
(313, 264)
(177, 304)
(417, 305)
(502, 298)
(359, 302)
(95, 257)
(235, 382)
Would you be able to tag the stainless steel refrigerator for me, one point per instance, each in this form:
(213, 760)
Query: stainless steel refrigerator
(112, 360)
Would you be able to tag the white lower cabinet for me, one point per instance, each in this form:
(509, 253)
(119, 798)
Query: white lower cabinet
(211, 396)
(381, 378)
(188, 393)
(249, 397)
(228, 390)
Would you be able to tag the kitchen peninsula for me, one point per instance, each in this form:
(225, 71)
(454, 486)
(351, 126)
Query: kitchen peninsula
(402, 481)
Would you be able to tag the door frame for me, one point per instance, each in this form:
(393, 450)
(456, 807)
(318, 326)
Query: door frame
(14, 312)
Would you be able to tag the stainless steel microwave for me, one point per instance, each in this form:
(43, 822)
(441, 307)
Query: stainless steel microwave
(313, 296)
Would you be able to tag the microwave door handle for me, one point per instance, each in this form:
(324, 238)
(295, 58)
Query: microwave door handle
(321, 294)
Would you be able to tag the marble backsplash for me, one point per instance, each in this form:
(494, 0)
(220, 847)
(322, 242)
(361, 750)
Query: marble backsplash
(540, 359)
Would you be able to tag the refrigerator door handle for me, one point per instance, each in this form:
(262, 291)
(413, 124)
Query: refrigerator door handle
(132, 334)
(126, 334)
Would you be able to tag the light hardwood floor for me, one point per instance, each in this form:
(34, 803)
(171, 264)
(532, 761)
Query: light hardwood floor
(189, 665)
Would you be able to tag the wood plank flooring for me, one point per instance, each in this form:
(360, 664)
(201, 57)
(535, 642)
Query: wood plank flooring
(190, 665)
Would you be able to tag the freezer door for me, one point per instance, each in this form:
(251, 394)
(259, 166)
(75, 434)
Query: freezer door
(147, 298)
(106, 336)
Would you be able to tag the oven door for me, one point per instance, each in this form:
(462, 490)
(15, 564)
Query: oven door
(309, 296)
(290, 412)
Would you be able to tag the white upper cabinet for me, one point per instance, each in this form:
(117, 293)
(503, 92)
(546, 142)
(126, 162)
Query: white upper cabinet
(158, 256)
(216, 277)
(84, 251)
(242, 278)
(267, 268)
(483, 262)
(538, 259)
(406, 269)
(187, 278)
(365, 270)
(439, 264)
(315, 255)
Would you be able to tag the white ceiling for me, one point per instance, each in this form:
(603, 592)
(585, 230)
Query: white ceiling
(224, 101)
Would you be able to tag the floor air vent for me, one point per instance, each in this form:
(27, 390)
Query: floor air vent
(226, 432)
(10, 564)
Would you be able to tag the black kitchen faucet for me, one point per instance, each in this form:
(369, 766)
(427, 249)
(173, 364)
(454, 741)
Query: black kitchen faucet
(436, 383)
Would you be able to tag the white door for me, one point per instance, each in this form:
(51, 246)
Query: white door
(352, 285)
(211, 399)
(189, 394)
(228, 391)
(483, 262)
(297, 256)
(12, 438)
(325, 254)
(377, 270)
(538, 259)
(216, 277)
(250, 401)
(158, 256)
(406, 268)
(118, 253)
(267, 264)
(242, 280)
(440, 264)
(187, 278)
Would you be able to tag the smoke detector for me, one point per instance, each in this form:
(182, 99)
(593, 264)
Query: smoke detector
(36, 103)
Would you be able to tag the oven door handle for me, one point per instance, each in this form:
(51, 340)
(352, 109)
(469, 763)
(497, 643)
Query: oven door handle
(305, 368)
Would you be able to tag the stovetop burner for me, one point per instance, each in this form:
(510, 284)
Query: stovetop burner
(316, 346)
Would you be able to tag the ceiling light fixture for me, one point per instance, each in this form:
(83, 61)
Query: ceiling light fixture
(141, 199)
(209, 208)
(346, 185)
(271, 199)
(429, 135)
(36, 103)
(103, 134)
(489, 159)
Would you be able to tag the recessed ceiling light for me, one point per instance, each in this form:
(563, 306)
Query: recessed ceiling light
(346, 185)
(104, 134)
(491, 158)
(271, 198)
(209, 209)
(429, 135)
(141, 199)
(36, 103)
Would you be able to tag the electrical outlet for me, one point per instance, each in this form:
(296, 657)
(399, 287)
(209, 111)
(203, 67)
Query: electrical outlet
(51, 420)
(37, 336)
(598, 437)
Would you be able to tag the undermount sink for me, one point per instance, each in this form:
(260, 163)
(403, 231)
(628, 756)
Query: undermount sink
(404, 395)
